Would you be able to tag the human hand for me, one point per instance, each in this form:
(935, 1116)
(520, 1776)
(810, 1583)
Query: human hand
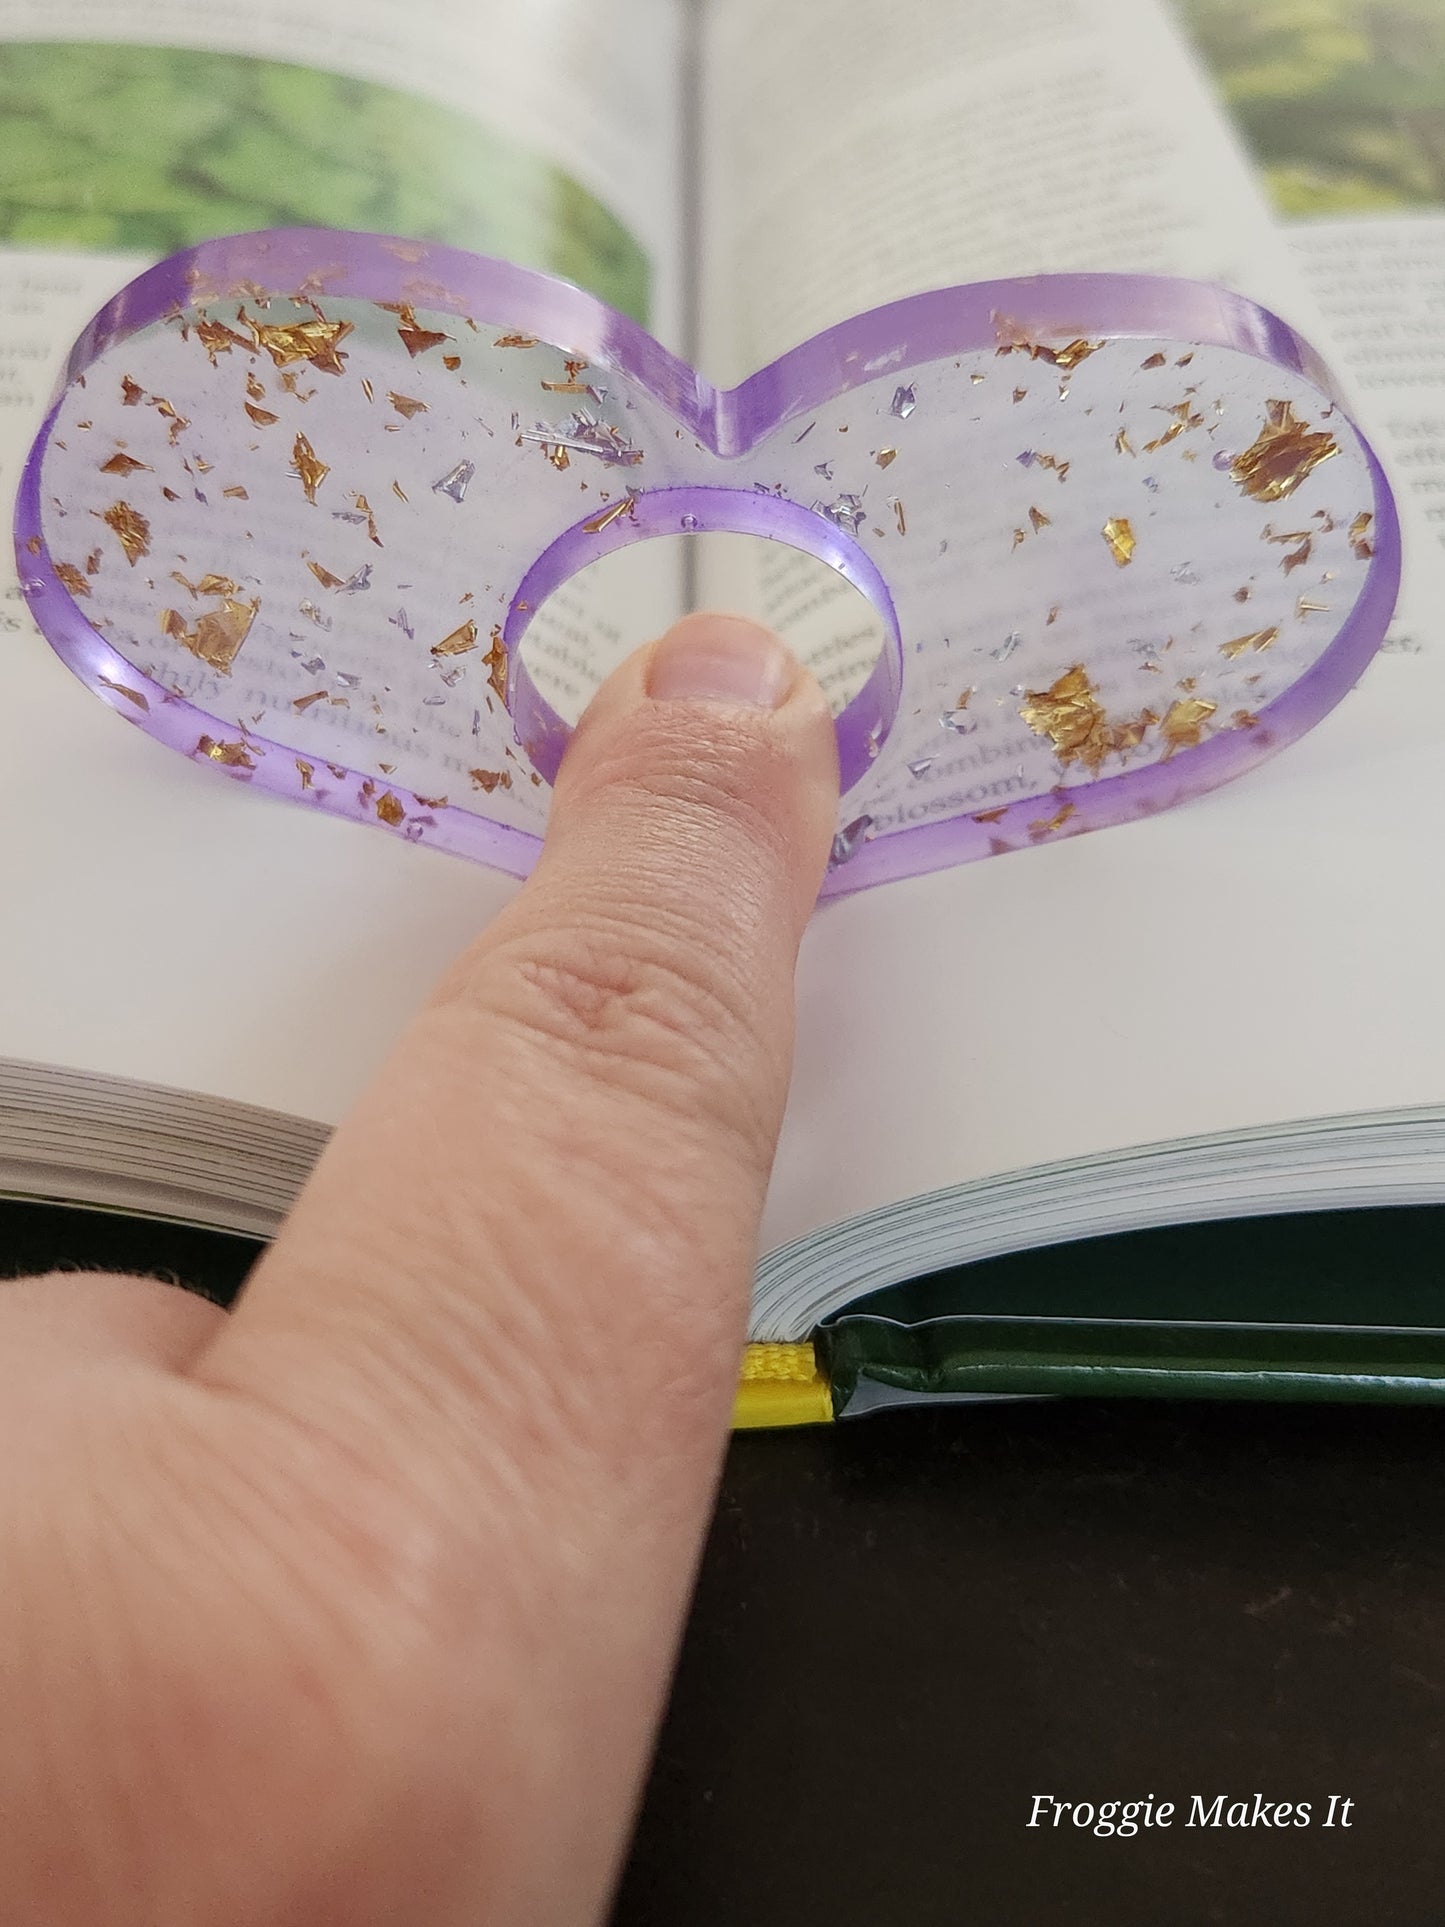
(358, 1605)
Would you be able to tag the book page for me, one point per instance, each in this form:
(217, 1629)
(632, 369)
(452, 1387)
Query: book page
(162, 923)
(855, 155)
(1268, 953)
(1341, 110)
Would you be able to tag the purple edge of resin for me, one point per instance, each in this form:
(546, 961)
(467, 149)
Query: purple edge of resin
(902, 335)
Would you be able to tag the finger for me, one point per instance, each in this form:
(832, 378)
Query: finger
(84, 1318)
(515, 1291)
(541, 1220)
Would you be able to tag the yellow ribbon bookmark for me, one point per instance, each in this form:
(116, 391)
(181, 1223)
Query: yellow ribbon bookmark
(781, 1385)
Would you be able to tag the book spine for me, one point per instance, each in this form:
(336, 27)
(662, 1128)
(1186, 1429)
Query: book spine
(1130, 1358)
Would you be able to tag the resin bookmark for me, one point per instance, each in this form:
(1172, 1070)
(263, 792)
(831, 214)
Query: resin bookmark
(302, 492)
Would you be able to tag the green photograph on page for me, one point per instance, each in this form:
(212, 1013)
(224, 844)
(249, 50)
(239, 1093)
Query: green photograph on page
(1340, 102)
(147, 150)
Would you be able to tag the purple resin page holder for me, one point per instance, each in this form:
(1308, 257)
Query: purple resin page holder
(302, 493)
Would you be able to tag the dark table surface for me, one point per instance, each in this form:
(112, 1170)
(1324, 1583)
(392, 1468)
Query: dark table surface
(908, 1626)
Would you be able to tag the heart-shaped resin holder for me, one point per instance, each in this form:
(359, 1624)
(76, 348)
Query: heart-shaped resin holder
(302, 492)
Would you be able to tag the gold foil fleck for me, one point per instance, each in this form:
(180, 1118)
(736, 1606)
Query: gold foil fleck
(338, 772)
(405, 405)
(236, 493)
(1122, 444)
(459, 643)
(255, 389)
(170, 495)
(233, 755)
(1120, 538)
(417, 340)
(1285, 451)
(1297, 557)
(1039, 519)
(399, 492)
(902, 519)
(1014, 338)
(1257, 639)
(308, 465)
(515, 341)
(131, 392)
(1070, 714)
(363, 507)
(34, 545)
(490, 779)
(1046, 825)
(565, 387)
(1154, 361)
(217, 637)
(217, 339)
(123, 464)
(172, 415)
(133, 695)
(325, 577)
(1182, 726)
(1052, 616)
(316, 341)
(1071, 355)
(451, 362)
(432, 802)
(1244, 719)
(92, 562)
(1360, 541)
(262, 417)
(306, 771)
(302, 703)
(496, 661)
(991, 816)
(1163, 441)
(1019, 538)
(216, 585)
(71, 577)
(367, 389)
(131, 530)
(1304, 606)
(390, 811)
(1020, 394)
(626, 506)
(1242, 595)
(885, 456)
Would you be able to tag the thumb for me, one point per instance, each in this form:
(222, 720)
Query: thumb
(541, 1221)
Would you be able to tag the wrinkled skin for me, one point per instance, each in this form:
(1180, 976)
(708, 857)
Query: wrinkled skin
(358, 1605)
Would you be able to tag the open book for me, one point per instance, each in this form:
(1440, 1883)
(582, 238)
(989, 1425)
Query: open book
(1224, 1010)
